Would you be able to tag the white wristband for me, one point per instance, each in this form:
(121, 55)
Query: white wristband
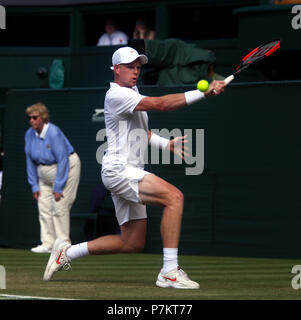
(193, 96)
(158, 142)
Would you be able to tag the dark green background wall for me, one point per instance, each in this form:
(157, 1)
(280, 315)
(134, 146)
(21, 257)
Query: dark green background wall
(234, 33)
(245, 203)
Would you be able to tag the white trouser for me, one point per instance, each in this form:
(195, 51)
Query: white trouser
(54, 216)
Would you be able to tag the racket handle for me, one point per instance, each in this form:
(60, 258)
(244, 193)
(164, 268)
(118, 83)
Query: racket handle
(229, 79)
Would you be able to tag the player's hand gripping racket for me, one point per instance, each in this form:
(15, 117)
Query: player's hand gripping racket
(255, 55)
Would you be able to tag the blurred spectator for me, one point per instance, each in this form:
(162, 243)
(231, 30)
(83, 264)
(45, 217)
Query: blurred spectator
(143, 31)
(112, 36)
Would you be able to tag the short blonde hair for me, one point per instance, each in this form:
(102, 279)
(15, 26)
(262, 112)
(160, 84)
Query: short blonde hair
(39, 108)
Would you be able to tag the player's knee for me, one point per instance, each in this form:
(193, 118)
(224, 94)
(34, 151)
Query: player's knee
(138, 247)
(180, 197)
(133, 246)
(176, 198)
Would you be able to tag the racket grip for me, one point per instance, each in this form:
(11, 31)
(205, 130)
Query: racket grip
(229, 79)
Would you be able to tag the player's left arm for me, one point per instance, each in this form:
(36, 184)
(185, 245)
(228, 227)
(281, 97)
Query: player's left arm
(176, 145)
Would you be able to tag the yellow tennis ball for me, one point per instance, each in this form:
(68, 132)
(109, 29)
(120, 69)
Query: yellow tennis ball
(202, 85)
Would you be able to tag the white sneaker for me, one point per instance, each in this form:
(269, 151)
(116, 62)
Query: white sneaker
(177, 279)
(58, 259)
(40, 249)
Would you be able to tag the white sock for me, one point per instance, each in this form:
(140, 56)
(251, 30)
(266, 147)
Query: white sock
(77, 251)
(170, 259)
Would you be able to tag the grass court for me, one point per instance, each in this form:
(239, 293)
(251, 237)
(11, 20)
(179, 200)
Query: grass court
(133, 276)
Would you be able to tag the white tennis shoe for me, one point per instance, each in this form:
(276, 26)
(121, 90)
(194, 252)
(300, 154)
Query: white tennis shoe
(58, 259)
(177, 279)
(40, 249)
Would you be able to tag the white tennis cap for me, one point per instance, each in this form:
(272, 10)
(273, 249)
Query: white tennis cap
(127, 55)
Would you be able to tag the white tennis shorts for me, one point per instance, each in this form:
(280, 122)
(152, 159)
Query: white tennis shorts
(123, 183)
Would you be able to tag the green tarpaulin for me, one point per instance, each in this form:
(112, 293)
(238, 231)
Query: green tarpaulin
(178, 62)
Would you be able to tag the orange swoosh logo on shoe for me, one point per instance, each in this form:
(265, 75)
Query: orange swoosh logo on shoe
(171, 279)
(58, 259)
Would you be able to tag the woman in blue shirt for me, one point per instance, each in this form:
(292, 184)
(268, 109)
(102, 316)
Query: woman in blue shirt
(53, 171)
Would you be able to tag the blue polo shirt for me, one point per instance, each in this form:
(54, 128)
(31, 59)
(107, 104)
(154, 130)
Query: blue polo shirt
(50, 147)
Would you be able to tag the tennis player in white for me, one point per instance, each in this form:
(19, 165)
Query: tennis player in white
(123, 173)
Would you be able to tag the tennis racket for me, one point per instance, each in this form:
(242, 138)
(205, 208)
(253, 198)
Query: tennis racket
(254, 56)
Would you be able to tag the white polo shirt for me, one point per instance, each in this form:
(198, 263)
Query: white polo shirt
(116, 38)
(126, 130)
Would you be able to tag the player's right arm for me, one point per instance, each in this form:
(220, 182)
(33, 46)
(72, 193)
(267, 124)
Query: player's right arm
(171, 102)
(168, 102)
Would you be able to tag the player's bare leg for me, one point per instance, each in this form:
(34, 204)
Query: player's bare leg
(131, 239)
(152, 190)
(156, 191)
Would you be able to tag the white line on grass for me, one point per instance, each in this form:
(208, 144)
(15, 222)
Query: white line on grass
(15, 297)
